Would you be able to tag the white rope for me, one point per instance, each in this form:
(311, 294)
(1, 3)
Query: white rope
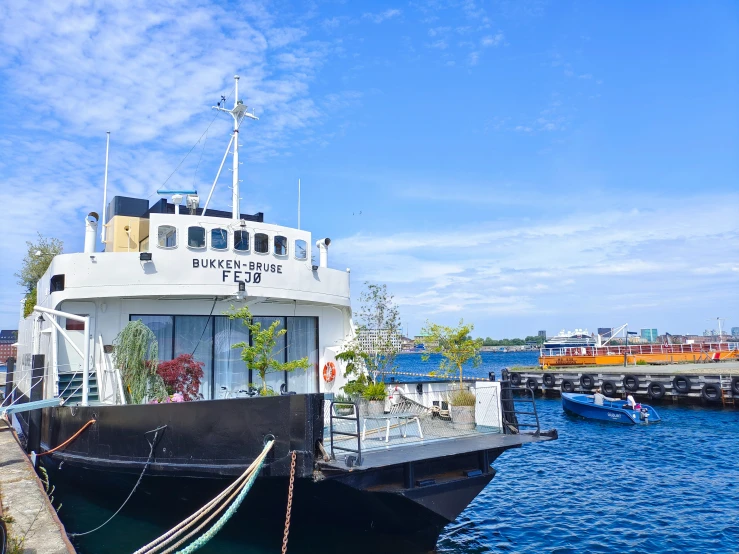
(186, 524)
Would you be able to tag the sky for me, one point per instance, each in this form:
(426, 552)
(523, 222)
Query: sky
(523, 164)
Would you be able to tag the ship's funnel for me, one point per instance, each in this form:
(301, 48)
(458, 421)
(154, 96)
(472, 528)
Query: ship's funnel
(322, 246)
(91, 229)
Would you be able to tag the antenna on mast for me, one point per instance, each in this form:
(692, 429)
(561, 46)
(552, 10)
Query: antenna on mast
(298, 204)
(103, 232)
(238, 112)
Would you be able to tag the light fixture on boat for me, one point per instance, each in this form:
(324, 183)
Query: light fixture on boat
(242, 291)
(145, 256)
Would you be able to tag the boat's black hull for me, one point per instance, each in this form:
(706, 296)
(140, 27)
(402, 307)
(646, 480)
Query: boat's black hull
(409, 494)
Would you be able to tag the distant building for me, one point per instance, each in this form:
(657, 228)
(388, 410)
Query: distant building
(605, 332)
(543, 334)
(649, 335)
(735, 332)
(7, 339)
(371, 340)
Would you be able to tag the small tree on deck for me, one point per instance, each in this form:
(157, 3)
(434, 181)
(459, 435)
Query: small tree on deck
(260, 355)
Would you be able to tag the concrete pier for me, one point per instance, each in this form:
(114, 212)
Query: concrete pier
(705, 383)
(25, 503)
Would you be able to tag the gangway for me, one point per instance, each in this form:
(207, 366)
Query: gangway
(28, 406)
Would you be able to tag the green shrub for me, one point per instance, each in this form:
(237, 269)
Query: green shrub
(375, 391)
(462, 397)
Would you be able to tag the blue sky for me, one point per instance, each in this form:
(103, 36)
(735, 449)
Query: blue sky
(525, 165)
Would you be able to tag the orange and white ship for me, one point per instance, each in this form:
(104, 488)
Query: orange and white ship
(600, 352)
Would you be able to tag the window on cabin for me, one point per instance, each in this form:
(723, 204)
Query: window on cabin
(219, 239)
(167, 236)
(280, 245)
(74, 325)
(261, 243)
(241, 241)
(196, 237)
(301, 250)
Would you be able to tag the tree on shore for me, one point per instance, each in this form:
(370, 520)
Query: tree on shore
(35, 263)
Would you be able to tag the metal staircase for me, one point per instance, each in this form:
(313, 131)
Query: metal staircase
(70, 387)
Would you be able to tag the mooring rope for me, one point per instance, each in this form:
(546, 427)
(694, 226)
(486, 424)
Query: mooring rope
(237, 491)
(70, 439)
(153, 444)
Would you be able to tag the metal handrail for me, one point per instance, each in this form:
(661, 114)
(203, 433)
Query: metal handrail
(358, 450)
(507, 388)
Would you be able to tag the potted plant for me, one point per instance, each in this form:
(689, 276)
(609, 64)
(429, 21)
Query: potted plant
(343, 406)
(136, 355)
(260, 354)
(375, 395)
(182, 376)
(457, 348)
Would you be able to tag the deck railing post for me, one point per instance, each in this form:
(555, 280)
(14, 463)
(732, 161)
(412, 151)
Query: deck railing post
(10, 363)
(36, 393)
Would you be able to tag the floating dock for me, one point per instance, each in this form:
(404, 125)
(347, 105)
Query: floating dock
(703, 383)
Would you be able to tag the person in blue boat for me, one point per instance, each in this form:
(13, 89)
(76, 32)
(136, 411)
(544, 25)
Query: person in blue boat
(599, 398)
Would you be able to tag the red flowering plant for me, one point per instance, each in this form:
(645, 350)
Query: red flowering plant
(182, 375)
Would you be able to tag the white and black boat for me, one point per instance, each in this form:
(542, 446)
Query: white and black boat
(177, 269)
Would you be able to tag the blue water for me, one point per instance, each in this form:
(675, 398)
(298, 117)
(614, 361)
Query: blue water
(671, 487)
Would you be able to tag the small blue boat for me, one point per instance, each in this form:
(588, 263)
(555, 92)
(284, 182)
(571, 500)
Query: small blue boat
(617, 412)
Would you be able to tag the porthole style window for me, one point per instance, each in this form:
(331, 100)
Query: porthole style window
(261, 243)
(241, 241)
(196, 237)
(167, 236)
(219, 239)
(301, 250)
(280, 245)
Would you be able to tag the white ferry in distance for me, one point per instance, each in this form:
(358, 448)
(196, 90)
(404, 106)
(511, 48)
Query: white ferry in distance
(570, 339)
(177, 267)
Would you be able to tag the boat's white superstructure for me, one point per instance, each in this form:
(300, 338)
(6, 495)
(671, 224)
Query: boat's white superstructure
(179, 269)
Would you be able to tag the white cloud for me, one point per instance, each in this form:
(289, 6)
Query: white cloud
(492, 40)
(382, 16)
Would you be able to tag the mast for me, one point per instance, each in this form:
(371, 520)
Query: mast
(238, 113)
(103, 233)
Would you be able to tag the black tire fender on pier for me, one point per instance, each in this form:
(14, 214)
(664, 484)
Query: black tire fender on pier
(548, 380)
(532, 384)
(735, 385)
(608, 388)
(711, 391)
(587, 381)
(567, 386)
(681, 384)
(631, 383)
(515, 379)
(656, 390)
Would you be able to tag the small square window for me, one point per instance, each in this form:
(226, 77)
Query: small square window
(74, 325)
(261, 243)
(301, 250)
(196, 237)
(219, 239)
(167, 236)
(280, 245)
(241, 241)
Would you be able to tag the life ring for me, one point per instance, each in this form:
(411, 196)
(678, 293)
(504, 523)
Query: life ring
(548, 380)
(735, 385)
(532, 384)
(608, 388)
(329, 372)
(515, 379)
(711, 391)
(656, 390)
(631, 383)
(587, 381)
(681, 384)
(567, 385)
